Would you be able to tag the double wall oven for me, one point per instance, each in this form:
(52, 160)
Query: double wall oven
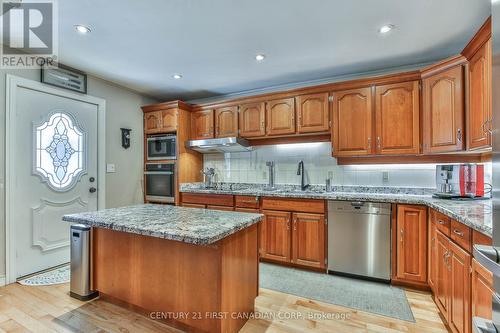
(159, 173)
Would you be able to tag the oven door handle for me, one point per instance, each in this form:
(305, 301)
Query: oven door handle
(158, 173)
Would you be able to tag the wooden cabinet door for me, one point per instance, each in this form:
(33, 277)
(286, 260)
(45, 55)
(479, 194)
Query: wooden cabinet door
(275, 236)
(226, 122)
(352, 122)
(412, 243)
(312, 113)
(169, 120)
(397, 118)
(442, 283)
(480, 100)
(308, 240)
(252, 120)
(202, 124)
(460, 265)
(152, 122)
(443, 111)
(482, 291)
(433, 259)
(280, 116)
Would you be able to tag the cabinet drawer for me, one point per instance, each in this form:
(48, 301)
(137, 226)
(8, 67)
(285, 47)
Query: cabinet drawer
(246, 201)
(461, 234)
(188, 205)
(208, 199)
(442, 222)
(247, 210)
(220, 207)
(294, 205)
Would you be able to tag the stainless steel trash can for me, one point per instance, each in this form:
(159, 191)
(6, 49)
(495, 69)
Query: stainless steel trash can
(80, 263)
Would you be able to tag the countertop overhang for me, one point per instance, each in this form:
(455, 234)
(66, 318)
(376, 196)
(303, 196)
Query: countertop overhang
(188, 225)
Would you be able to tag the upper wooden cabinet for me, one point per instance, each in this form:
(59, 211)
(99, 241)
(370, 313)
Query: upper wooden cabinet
(280, 116)
(479, 115)
(169, 120)
(352, 122)
(202, 124)
(252, 120)
(226, 122)
(312, 113)
(397, 118)
(443, 111)
(411, 233)
(152, 122)
(162, 121)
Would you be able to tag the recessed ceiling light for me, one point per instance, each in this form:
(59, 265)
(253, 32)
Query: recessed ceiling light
(386, 28)
(177, 76)
(260, 57)
(82, 29)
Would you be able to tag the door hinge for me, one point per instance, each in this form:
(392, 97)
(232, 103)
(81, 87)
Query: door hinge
(326, 261)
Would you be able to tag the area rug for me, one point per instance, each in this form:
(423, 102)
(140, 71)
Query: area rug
(379, 298)
(57, 275)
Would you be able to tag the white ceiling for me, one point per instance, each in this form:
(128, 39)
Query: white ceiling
(213, 43)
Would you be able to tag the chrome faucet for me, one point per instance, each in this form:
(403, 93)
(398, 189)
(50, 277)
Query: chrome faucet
(301, 172)
(270, 185)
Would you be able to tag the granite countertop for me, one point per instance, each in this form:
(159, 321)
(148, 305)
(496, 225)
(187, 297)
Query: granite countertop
(476, 214)
(188, 225)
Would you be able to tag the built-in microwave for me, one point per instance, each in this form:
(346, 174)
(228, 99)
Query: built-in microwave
(161, 147)
(159, 181)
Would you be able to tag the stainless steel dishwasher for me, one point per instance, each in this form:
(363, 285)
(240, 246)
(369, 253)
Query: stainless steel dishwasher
(359, 239)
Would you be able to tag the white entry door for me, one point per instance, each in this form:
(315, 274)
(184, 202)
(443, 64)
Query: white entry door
(53, 151)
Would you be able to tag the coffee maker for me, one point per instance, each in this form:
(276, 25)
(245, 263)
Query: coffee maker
(460, 181)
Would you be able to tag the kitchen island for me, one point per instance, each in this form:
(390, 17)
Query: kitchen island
(195, 269)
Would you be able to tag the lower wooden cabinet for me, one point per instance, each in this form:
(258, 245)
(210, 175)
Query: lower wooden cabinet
(411, 250)
(452, 290)
(459, 262)
(481, 290)
(295, 238)
(432, 267)
(441, 293)
(275, 236)
(308, 240)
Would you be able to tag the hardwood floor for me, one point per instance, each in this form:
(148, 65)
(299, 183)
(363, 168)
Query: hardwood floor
(50, 309)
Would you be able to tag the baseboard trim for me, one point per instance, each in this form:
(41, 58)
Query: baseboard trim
(2, 280)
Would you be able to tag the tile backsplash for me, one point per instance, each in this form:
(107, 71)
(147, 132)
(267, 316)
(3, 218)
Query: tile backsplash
(250, 167)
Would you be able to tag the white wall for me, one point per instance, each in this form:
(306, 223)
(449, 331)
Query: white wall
(122, 110)
(251, 168)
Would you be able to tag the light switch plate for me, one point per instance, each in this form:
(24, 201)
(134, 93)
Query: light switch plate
(110, 168)
(385, 176)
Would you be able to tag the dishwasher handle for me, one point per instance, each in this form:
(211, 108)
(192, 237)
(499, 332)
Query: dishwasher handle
(357, 204)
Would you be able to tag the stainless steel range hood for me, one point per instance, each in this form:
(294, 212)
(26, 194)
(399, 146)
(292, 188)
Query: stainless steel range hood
(221, 145)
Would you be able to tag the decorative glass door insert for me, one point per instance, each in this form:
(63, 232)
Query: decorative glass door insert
(59, 154)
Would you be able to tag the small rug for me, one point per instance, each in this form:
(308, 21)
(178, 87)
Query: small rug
(374, 297)
(57, 275)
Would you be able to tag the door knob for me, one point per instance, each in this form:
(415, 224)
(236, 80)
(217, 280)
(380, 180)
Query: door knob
(92, 190)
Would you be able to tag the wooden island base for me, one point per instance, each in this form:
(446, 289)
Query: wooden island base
(193, 287)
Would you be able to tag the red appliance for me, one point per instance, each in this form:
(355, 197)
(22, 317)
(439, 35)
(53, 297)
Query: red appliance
(460, 181)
